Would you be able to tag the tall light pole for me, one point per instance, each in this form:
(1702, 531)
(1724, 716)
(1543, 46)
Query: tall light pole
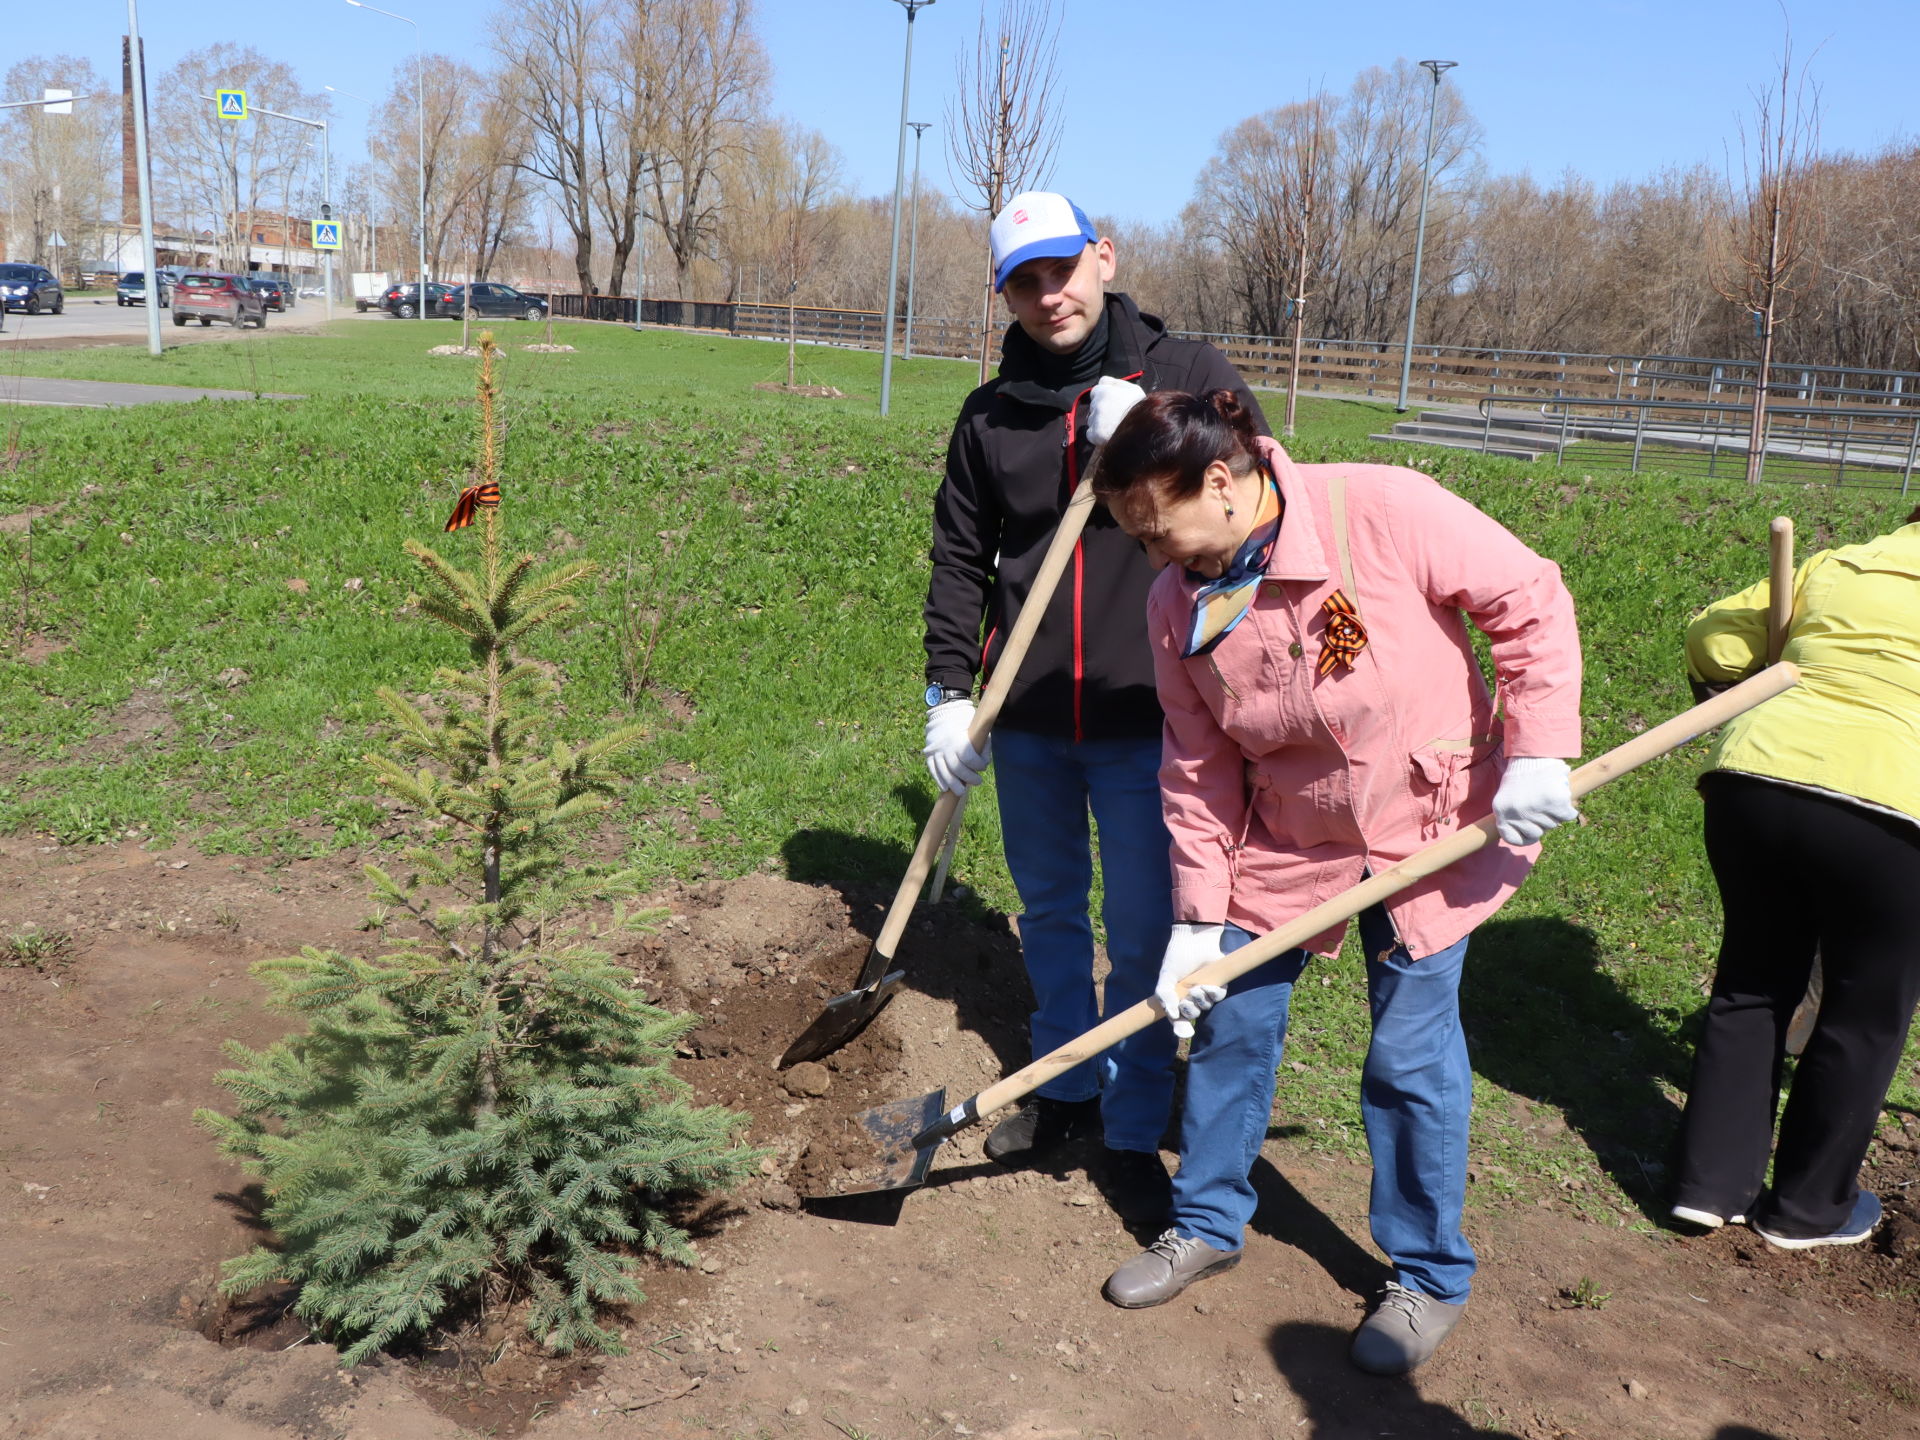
(1435, 68)
(920, 128)
(137, 67)
(420, 82)
(912, 7)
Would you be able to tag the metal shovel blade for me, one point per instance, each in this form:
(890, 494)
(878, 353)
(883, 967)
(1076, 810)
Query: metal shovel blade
(900, 1165)
(845, 1017)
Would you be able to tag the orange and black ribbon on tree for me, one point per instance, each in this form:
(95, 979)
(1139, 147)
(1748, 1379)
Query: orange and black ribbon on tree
(475, 497)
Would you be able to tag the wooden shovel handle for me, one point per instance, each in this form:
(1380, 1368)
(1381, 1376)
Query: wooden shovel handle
(1019, 639)
(1779, 586)
(1344, 906)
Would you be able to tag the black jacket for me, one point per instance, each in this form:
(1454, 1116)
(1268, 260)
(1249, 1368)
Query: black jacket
(1016, 454)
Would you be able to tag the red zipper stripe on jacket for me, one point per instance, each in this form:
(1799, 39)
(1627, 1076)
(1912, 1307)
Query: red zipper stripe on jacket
(1079, 568)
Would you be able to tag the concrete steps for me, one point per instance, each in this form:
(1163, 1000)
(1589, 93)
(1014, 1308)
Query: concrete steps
(1510, 436)
(1528, 436)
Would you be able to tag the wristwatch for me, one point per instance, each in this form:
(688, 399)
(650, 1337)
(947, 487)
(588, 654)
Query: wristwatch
(938, 694)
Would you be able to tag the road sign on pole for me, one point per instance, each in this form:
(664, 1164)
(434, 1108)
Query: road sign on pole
(58, 102)
(326, 234)
(230, 104)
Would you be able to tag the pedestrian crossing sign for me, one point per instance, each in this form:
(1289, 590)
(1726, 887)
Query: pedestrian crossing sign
(231, 104)
(326, 234)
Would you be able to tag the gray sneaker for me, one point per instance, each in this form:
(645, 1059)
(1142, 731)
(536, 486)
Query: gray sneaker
(1164, 1269)
(1403, 1331)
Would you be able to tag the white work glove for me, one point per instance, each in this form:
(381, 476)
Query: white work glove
(1535, 796)
(954, 764)
(1108, 406)
(1189, 947)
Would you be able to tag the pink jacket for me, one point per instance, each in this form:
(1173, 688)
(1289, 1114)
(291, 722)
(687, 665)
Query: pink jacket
(1280, 788)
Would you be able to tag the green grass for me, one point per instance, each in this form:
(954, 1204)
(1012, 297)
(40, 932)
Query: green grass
(775, 549)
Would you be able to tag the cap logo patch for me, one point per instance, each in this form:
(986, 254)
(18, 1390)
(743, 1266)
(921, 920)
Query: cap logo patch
(1019, 217)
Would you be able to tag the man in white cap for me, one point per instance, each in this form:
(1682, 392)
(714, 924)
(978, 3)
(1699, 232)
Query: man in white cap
(1080, 731)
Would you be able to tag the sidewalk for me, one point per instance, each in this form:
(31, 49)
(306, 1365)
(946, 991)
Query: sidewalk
(108, 394)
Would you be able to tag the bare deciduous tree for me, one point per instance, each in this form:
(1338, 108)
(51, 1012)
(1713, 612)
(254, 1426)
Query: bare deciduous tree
(552, 48)
(1772, 218)
(226, 174)
(1003, 125)
(57, 172)
(709, 73)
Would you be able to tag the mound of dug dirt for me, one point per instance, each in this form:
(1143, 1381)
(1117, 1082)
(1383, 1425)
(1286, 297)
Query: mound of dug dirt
(758, 959)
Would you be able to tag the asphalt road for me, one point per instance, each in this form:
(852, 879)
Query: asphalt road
(91, 320)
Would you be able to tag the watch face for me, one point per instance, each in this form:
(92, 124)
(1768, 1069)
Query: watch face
(933, 696)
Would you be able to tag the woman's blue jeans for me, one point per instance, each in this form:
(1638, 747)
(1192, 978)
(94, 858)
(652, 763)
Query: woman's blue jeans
(1416, 1095)
(1047, 786)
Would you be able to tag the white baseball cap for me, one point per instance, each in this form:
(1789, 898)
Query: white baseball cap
(1037, 223)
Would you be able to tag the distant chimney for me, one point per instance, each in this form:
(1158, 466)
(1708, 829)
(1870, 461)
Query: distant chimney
(129, 154)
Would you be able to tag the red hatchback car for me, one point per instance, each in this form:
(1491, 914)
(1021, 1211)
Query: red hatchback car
(210, 295)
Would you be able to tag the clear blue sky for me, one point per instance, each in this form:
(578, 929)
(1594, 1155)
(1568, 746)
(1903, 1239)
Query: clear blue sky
(1610, 88)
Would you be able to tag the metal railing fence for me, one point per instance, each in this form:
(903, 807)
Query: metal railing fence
(1875, 445)
(1441, 373)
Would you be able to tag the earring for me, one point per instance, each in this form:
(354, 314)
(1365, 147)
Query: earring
(1229, 505)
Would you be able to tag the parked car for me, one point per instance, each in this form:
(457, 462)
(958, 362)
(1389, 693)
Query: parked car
(31, 288)
(490, 298)
(272, 293)
(401, 300)
(132, 289)
(210, 295)
(313, 292)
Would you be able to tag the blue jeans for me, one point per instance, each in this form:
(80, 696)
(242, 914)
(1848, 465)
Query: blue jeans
(1416, 1094)
(1046, 787)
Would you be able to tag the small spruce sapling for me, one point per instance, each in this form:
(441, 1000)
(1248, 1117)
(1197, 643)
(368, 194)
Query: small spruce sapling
(484, 1112)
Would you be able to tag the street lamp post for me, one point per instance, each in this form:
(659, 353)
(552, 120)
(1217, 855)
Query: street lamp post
(420, 82)
(912, 7)
(920, 127)
(1435, 68)
(138, 70)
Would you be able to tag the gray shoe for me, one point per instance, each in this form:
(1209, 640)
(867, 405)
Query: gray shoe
(1164, 1269)
(1403, 1331)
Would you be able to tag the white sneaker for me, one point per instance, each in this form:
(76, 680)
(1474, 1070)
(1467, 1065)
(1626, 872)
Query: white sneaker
(1859, 1225)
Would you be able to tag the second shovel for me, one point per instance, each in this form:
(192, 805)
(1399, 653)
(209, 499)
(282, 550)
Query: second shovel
(847, 1015)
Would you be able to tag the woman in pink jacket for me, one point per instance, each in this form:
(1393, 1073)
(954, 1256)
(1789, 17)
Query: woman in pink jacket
(1325, 717)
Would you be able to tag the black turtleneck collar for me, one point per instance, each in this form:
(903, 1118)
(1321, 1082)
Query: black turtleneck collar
(1035, 375)
(1078, 371)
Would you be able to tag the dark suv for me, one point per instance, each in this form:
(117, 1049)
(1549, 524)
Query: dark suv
(490, 298)
(132, 289)
(400, 299)
(31, 288)
(272, 292)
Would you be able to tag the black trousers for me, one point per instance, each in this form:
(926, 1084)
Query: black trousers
(1799, 871)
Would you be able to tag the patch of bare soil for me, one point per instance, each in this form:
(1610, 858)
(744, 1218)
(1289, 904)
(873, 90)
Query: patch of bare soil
(19, 522)
(969, 1306)
(815, 392)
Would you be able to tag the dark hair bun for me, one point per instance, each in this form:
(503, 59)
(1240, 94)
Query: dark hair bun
(1171, 437)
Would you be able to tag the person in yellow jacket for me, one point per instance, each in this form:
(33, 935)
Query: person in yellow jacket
(1813, 830)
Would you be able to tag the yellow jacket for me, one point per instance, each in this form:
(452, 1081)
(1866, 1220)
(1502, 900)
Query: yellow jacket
(1852, 724)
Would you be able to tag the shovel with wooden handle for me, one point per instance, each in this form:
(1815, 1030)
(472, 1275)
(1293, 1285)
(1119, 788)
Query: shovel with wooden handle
(1779, 621)
(907, 1132)
(847, 1015)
